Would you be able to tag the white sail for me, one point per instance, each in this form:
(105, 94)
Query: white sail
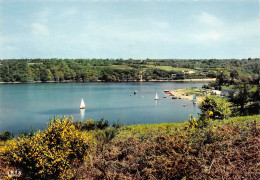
(82, 104)
(156, 97)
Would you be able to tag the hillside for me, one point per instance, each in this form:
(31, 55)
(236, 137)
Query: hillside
(227, 149)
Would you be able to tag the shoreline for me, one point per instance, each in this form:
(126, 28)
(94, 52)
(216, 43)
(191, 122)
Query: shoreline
(206, 80)
(180, 92)
(152, 80)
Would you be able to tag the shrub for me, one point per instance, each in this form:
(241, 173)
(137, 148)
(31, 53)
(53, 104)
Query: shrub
(89, 125)
(6, 135)
(202, 122)
(102, 124)
(106, 135)
(219, 106)
(50, 154)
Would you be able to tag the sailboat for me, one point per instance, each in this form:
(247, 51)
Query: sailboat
(156, 97)
(82, 104)
(194, 99)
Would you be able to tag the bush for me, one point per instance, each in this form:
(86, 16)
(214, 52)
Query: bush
(102, 124)
(202, 122)
(51, 154)
(85, 126)
(6, 135)
(219, 106)
(106, 135)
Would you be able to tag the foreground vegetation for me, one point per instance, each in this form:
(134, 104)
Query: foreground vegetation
(82, 70)
(226, 149)
(221, 143)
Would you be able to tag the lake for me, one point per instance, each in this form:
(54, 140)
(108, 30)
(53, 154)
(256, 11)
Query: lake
(30, 106)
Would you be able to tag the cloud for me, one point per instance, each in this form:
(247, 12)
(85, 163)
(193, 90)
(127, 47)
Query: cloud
(40, 29)
(209, 19)
(210, 36)
(216, 31)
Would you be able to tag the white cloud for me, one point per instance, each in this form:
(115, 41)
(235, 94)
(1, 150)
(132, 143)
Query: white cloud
(210, 36)
(209, 19)
(40, 29)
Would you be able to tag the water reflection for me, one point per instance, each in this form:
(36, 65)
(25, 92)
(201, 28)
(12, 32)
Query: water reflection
(82, 114)
(194, 105)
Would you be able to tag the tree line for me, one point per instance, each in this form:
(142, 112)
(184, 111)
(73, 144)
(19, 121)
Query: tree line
(82, 70)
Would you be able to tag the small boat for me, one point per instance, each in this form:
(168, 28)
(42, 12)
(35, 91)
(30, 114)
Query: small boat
(184, 104)
(167, 92)
(156, 97)
(135, 92)
(194, 97)
(174, 97)
(82, 104)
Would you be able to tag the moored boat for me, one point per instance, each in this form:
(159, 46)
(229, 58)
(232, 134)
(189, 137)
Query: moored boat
(82, 104)
(194, 99)
(156, 97)
(167, 92)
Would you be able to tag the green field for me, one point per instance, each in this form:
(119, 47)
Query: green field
(121, 67)
(169, 68)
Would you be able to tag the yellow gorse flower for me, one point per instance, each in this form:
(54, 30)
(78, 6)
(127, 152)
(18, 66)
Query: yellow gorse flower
(52, 151)
(210, 113)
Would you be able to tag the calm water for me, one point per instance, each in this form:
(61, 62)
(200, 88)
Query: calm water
(30, 106)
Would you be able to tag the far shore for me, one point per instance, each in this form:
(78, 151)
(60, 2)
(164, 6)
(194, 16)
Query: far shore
(207, 80)
(152, 80)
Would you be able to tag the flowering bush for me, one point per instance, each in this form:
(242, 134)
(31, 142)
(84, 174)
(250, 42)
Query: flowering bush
(219, 107)
(50, 154)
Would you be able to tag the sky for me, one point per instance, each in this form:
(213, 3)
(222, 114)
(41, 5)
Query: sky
(138, 29)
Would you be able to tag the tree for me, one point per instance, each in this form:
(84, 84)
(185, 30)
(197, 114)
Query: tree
(222, 78)
(219, 107)
(240, 97)
(234, 74)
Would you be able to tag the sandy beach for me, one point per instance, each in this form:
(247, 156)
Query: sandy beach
(182, 94)
(208, 79)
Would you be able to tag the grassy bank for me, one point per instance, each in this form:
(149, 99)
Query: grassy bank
(227, 149)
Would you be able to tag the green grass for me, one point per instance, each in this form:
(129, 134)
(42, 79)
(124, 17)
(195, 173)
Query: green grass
(238, 120)
(169, 68)
(148, 131)
(193, 90)
(30, 64)
(121, 67)
(253, 89)
(228, 87)
(151, 130)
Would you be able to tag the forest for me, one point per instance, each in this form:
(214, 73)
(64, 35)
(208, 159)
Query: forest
(85, 70)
